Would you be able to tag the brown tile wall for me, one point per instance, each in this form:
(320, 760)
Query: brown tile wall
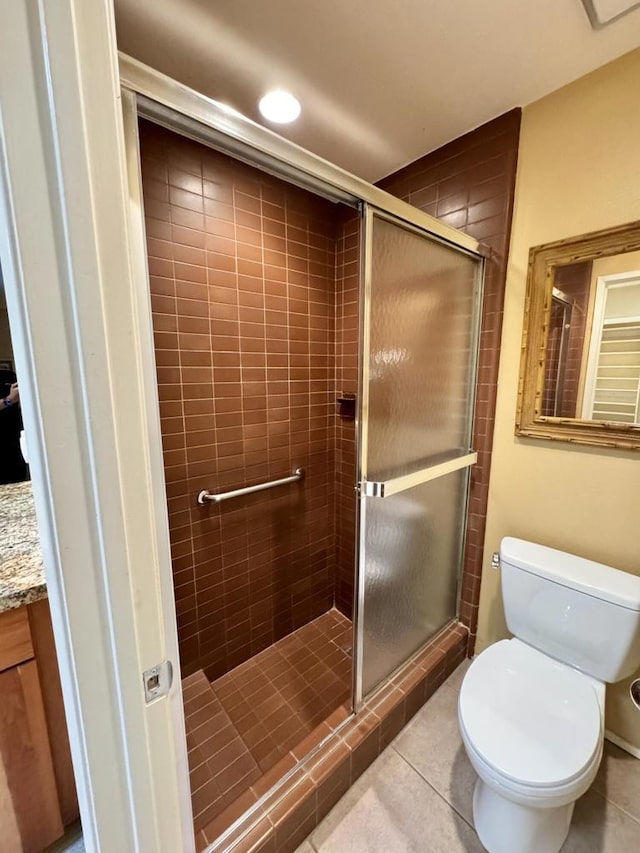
(575, 282)
(242, 272)
(347, 302)
(254, 283)
(552, 358)
(469, 183)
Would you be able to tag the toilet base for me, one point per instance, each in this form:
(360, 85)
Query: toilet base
(507, 827)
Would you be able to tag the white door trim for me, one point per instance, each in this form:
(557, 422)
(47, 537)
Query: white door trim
(604, 283)
(72, 275)
(594, 349)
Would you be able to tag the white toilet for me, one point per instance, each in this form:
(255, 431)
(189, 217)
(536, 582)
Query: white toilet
(531, 709)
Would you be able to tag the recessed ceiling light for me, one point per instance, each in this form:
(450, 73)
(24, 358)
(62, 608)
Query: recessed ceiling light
(279, 107)
(602, 12)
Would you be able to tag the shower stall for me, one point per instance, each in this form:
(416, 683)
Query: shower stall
(315, 349)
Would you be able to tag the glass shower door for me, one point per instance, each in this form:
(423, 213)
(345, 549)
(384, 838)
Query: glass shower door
(422, 301)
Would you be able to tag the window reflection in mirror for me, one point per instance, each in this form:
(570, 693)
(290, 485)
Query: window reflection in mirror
(592, 364)
(13, 468)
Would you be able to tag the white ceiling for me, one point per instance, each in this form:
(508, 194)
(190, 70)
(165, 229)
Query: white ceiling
(381, 82)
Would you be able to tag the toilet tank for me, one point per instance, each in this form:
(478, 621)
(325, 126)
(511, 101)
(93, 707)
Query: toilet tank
(582, 613)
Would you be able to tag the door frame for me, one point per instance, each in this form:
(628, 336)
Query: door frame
(77, 291)
(82, 355)
(604, 283)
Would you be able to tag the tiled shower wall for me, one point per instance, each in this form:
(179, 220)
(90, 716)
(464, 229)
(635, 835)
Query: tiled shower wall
(575, 282)
(347, 290)
(552, 359)
(254, 289)
(469, 183)
(243, 287)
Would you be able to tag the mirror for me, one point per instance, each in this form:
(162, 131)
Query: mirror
(580, 366)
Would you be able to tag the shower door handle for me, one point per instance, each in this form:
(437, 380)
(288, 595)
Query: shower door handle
(371, 489)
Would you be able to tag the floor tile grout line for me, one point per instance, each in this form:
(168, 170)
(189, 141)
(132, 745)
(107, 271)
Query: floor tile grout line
(316, 847)
(616, 805)
(433, 788)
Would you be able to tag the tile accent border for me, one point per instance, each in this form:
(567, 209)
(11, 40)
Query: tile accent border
(292, 810)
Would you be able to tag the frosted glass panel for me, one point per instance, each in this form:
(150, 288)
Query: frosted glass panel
(413, 543)
(423, 304)
(421, 347)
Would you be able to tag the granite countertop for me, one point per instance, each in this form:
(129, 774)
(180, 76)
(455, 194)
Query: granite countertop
(21, 571)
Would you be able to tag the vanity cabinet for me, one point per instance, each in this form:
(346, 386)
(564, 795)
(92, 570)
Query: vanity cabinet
(37, 790)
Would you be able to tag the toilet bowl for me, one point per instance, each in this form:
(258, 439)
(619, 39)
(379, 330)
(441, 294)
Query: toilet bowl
(531, 709)
(533, 729)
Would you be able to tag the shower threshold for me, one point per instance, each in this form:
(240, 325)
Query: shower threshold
(248, 728)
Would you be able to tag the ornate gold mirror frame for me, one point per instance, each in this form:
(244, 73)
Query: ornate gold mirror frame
(543, 261)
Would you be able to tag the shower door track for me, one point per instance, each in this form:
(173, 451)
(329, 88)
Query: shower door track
(189, 113)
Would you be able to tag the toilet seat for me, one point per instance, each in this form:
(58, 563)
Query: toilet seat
(533, 723)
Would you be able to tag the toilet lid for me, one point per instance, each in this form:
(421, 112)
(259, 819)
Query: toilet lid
(535, 721)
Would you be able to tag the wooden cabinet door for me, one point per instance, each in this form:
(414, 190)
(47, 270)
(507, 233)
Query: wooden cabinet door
(45, 653)
(29, 813)
(15, 638)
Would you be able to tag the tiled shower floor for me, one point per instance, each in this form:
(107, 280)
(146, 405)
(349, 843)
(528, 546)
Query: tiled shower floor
(249, 727)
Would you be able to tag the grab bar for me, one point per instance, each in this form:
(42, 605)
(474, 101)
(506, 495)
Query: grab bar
(205, 495)
(371, 489)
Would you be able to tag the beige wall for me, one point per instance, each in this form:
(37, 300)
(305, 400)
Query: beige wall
(625, 301)
(578, 171)
(627, 262)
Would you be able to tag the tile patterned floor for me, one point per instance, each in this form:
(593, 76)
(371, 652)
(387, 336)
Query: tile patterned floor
(417, 796)
(249, 727)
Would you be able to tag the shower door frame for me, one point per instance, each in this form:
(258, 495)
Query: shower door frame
(146, 93)
(367, 489)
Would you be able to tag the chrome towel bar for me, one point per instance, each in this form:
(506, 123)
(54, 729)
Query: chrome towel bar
(371, 489)
(205, 496)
